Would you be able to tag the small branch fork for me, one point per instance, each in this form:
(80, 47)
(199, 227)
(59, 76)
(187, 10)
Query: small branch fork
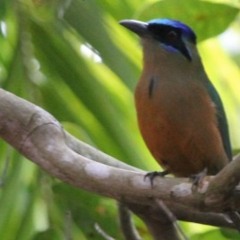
(39, 136)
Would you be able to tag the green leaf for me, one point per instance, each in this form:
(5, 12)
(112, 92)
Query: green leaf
(48, 234)
(88, 209)
(216, 234)
(206, 18)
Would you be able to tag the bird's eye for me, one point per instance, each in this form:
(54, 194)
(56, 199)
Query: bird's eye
(172, 36)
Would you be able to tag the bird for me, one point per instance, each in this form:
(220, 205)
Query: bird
(180, 114)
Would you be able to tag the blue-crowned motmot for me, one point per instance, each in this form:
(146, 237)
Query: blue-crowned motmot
(180, 114)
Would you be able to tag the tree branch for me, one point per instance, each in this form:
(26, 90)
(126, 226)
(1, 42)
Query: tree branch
(223, 185)
(40, 137)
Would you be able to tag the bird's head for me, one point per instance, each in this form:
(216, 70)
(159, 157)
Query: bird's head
(170, 37)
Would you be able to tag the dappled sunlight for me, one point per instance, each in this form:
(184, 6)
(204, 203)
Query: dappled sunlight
(88, 51)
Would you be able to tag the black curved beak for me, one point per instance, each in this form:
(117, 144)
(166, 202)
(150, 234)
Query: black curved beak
(138, 27)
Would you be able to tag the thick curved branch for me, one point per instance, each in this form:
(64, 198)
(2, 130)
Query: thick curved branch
(223, 185)
(92, 153)
(40, 137)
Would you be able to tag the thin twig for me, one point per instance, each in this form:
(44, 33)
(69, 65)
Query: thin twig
(5, 167)
(172, 217)
(235, 217)
(68, 226)
(126, 223)
(102, 233)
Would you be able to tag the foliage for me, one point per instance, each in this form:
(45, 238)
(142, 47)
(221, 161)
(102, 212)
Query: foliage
(74, 59)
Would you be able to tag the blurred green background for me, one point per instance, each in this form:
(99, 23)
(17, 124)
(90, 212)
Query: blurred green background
(72, 58)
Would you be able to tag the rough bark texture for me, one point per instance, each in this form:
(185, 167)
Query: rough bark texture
(40, 137)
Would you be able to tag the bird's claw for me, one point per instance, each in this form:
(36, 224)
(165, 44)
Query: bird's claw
(152, 175)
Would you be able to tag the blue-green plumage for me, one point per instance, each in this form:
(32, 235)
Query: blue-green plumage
(221, 118)
(184, 29)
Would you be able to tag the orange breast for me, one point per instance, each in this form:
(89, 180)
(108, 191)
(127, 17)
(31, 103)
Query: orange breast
(178, 123)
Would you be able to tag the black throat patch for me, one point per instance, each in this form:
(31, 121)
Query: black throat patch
(151, 86)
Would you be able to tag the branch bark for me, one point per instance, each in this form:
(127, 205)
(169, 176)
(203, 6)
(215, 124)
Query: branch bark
(223, 185)
(39, 136)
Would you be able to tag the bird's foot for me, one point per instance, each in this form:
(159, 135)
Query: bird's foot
(152, 175)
